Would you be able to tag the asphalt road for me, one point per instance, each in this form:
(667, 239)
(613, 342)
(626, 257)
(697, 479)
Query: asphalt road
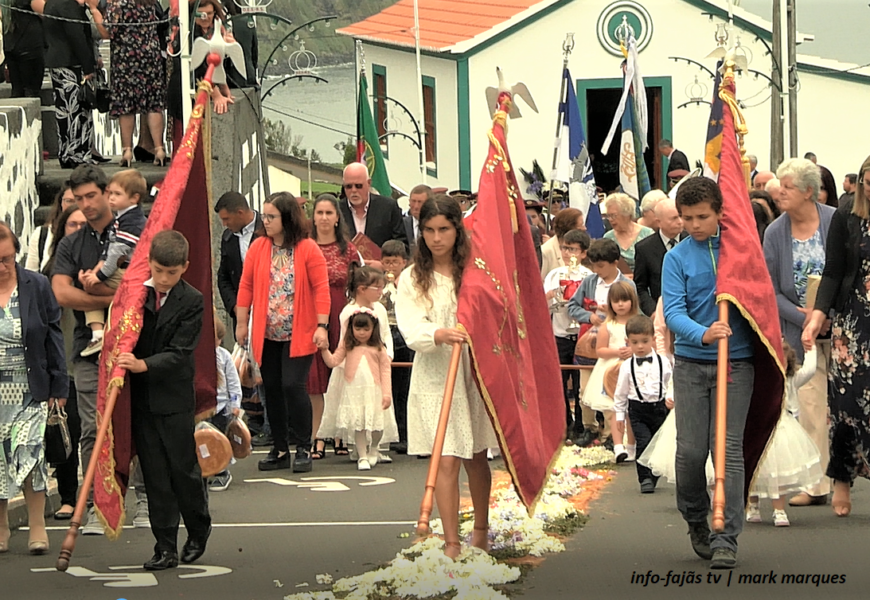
(269, 538)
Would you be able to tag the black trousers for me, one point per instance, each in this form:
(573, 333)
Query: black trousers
(26, 71)
(67, 473)
(173, 479)
(288, 406)
(401, 381)
(646, 419)
(565, 348)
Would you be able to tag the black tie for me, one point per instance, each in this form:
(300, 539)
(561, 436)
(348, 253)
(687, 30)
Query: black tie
(671, 244)
(158, 301)
(645, 359)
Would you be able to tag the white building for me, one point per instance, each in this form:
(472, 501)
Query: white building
(463, 41)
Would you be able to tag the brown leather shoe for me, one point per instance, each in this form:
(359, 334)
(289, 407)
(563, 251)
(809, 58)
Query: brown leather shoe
(804, 499)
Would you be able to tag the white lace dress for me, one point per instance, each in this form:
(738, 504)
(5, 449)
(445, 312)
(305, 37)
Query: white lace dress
(469, 429)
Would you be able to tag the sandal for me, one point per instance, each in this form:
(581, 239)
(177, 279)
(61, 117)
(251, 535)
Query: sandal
(318, 453)
(452, 549)
(341, 449)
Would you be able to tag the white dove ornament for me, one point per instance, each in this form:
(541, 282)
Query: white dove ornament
(202, 47)
(518, 89)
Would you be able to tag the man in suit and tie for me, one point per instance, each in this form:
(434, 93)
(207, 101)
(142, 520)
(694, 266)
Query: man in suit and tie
(650, 255)
(676, 160)
(242, 227)
(416, 198)
(378, 217)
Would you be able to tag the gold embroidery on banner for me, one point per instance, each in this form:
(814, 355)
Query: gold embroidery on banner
(628, 166)
(130, 321)
(521, 319)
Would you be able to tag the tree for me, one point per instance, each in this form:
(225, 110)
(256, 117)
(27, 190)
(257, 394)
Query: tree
(279, 138)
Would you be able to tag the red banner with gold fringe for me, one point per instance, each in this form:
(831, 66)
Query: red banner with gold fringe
(503, 308)
(182, 204)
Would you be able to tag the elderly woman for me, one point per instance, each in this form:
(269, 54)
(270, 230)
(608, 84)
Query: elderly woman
(648, 208)
(794, 248)
(285, 283)
(567, 220)
(844, 290)
(32, 378)
(625, 232)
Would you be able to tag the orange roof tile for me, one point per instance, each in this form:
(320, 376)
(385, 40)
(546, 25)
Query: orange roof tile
(443, 23)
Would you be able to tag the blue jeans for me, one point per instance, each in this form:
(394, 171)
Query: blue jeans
(695, 406)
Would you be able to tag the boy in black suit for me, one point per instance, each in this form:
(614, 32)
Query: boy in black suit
(163, 404)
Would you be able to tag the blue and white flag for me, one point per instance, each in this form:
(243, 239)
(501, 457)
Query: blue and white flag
(573, 165)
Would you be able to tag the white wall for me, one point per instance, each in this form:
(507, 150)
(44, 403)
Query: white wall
(403, 161)
(20, 149)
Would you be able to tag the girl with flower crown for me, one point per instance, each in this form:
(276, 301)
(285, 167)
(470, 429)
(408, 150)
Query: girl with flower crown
(358, 402)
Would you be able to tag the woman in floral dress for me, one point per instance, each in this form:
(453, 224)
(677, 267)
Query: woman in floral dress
(426, 307)
(331, 235)
(845, 288)
(138, 72)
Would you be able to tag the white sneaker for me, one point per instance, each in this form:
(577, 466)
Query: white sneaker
(620, 453)
(93, 526)
(780, 519)
(363, 465)
(95, 346)
(753, 515)
(141, 519)
(489, 454)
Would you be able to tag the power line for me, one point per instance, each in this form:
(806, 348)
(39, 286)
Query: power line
(280, 112)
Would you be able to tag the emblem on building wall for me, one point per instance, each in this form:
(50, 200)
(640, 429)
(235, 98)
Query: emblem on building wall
(619, 16)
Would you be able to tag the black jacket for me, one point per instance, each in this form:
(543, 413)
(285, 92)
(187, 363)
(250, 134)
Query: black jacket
(649, 255)
(677, 161)
(384, 220)
(43, 340)
(842, 260)
(69, 44)
(166, 344)
(409, 232)
(230, 269)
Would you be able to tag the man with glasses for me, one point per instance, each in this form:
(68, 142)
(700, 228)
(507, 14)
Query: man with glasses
(649, 255)
(378, 217)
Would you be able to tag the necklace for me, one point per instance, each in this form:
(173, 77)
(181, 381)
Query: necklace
(280, 257)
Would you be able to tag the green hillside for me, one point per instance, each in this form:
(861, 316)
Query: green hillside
(329, 47)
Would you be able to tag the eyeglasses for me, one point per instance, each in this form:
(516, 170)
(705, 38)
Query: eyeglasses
(205, 15)
(609, 217)
(267, 218)
(7, 261)
(350, 186)
(570, 249)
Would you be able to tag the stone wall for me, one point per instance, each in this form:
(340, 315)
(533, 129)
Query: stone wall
(20, 162)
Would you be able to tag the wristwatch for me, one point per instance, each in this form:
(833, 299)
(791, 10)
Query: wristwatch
(324, 325)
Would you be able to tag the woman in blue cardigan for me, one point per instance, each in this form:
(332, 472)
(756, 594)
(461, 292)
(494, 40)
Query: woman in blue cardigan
(32, 377)
(794, 248)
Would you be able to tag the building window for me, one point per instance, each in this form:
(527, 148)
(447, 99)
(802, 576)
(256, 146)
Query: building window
(379, 74)
(429, 115)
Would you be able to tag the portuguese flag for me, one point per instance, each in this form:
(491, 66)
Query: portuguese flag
(368, 149)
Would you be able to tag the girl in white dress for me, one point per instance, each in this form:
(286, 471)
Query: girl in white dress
(358, 402)
(426, 316)
(611, 348)
(791, 462)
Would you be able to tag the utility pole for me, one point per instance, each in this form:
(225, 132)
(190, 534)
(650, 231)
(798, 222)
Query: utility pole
(776, 145)
(792, 76)
(784, 76)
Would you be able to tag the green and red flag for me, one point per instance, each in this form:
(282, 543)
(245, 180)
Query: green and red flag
(502, 306)
(368, 147)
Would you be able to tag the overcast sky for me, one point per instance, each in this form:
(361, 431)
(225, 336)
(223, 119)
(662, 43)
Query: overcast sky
(840, 26)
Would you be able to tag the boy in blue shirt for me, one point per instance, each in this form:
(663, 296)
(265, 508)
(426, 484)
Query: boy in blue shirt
(689, 296)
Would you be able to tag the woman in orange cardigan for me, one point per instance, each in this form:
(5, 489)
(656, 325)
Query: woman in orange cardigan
(285, 282)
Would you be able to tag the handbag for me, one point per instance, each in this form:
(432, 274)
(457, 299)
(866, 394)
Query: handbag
(58, 443)
(94, 94)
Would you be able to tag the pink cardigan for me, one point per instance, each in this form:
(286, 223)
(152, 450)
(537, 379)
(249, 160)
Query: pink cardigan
(311, 297)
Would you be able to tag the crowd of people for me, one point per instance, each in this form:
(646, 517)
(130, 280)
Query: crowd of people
(324, 305)
(62, 38)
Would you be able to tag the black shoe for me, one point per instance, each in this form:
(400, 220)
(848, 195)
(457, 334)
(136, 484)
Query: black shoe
(585, 439)
(194, 548)
(699, 534)
(100, 159)
(399, 447)
(647, 486)
(303, 463)
(165, 559)
(273, 462)
(608, 443)
(262, 439)
(143, 155)
(723, 558)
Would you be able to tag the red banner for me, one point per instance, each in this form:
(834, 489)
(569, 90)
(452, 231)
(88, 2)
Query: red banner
(182, 204)
(743, 280)
(502, 306)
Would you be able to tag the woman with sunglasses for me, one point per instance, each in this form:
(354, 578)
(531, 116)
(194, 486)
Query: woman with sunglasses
(286, 285)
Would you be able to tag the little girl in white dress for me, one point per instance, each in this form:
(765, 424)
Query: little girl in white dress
(359, 398)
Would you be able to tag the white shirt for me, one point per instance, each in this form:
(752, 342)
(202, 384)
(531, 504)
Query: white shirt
(150, 283)
(601, 291)
(416, 226)
(360, 222)
(245, 236)
(666, 240)
(561, 318)
(648, 383)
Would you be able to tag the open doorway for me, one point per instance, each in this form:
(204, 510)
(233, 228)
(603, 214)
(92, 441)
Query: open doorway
(601, 105)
